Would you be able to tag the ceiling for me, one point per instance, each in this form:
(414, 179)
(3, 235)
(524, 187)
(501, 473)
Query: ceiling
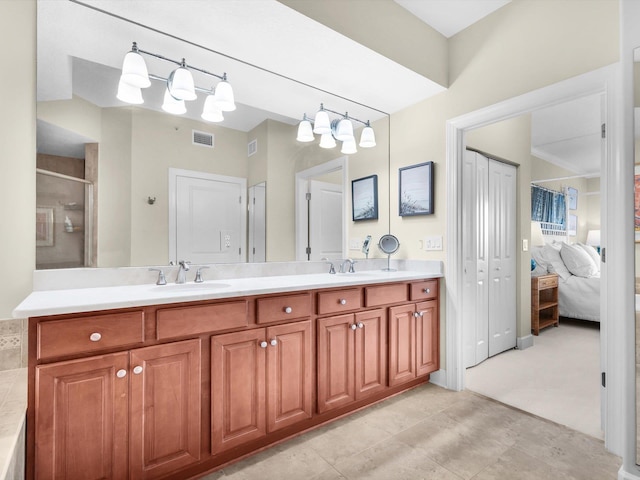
(72, 59)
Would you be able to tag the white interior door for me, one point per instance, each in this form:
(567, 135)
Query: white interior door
(502, 257)
(207, 217)
(475, 250)
(257, 251)
(325, 220)
(489, 292)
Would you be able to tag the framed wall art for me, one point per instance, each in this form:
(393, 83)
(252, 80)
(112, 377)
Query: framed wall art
(416, 189)
(572, 195)
(364, 198)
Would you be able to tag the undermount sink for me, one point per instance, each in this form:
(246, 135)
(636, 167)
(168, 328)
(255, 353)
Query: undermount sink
(187, 287)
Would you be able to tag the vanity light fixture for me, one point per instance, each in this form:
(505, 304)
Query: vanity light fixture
(180, 86)
(340, 129)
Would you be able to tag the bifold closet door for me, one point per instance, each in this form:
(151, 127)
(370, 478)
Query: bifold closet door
(502, 257)
(489, 199)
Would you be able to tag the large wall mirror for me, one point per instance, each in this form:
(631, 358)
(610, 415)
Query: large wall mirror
(114, 179)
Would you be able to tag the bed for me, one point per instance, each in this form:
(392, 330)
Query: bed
(578, 270)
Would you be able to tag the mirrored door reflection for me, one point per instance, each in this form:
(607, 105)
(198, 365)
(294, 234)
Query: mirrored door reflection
(636, 110)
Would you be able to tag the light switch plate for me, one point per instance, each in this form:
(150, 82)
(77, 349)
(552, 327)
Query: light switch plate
(432, 242)
(354, 244)
(525, 245)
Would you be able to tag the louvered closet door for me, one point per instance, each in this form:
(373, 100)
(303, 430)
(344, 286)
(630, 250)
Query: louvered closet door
(502, 257)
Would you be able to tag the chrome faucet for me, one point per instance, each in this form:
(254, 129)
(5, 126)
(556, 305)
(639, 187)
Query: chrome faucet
(332, 269)
(344, 262)
(183, 268)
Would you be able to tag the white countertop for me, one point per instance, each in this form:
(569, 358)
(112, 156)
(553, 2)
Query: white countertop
(53, 302)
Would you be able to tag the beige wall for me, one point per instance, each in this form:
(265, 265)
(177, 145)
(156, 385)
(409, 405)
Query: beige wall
(390, 30)
(76, 115)
(18, 147)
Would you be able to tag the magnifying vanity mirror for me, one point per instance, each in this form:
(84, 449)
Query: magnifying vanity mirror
(131, 185)
(388, 244)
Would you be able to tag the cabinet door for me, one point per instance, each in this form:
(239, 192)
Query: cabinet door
(370, 352)
(427, 338)
(335, 362)
(402, 344)
(237, 389)
(81, 419)
(289, 374)
(165, 408)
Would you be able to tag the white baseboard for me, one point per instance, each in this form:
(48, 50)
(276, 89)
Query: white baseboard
(439, 378)
(624, 475)
(524, 342)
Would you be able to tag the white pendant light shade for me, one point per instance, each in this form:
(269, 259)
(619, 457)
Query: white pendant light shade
(349, 147)
(211, 112)
(367, 137)
(181, 84)
(134, 71)
(344, 130)
(224, 97)
(321, 124)
(305, 133)
(327, 141)
(129, 94)
(173, 105)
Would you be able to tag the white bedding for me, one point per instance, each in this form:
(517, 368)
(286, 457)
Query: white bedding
(579, 297)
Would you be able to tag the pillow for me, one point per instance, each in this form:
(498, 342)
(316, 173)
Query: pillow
(595, 256)
(541, 264)
(578, 261)
(554, 262)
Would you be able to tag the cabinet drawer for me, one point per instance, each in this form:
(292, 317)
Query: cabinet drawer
(384, 294)
(425, 290)
(89, 334)
(547, 282)
(339, 300)
(183, 321)
(286, 307)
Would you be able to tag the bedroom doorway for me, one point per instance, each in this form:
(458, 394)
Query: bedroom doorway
(597, 82)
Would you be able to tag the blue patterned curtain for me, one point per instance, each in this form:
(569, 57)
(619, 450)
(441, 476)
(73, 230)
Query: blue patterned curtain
(547, 205)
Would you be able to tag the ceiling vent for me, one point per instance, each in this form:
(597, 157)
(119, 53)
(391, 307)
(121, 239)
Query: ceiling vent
(252, 147)
(203, 139)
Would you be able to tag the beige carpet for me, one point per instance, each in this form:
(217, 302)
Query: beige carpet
(557, 379)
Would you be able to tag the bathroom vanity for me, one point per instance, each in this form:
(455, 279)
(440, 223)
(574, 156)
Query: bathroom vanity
(173, 381)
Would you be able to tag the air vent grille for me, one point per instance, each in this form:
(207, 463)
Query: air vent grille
(204, 139)
(252, 147)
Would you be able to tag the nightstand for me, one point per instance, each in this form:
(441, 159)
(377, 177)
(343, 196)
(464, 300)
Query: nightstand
(544, 302)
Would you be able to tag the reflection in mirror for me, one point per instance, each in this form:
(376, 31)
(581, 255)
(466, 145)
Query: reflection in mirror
(162, 187)
(636, 114)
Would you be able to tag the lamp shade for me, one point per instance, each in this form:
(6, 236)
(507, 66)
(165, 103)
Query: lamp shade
(536, 234)
(593, 238)
(327, 141)
(367, 137)
(134, 71)
(305, 133)
(173, 105)
(129, 94)
(181, 85)
(349, 147)
(343, 130)
(211, 112)
(224, 97)
(321, 123)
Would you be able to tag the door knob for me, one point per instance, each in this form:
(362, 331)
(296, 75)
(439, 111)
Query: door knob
(343, 301)
(273, 342)
(95, 337)
(263, 344)
(353, 326)
(121, 373)
(360, 325)
(137, 370)
(288, 309)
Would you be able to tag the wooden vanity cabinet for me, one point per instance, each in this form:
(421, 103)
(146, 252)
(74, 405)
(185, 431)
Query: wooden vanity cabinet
(261, 381)
(352, 357)
(413, 341)
(89, 410)
(171, 391)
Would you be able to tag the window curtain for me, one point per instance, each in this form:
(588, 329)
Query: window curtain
(547, 206)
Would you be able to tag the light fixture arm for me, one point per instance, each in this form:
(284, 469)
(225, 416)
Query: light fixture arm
(181, 63)
(343, 115)
(165, 80)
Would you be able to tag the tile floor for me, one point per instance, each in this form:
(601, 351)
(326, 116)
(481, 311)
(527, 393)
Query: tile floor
(433, 433)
